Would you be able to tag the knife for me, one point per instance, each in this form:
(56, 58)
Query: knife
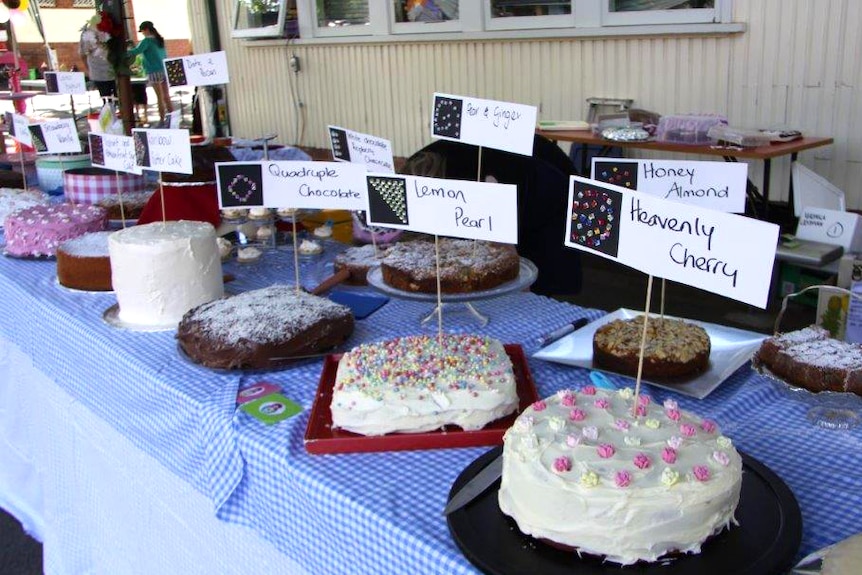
(476, 486)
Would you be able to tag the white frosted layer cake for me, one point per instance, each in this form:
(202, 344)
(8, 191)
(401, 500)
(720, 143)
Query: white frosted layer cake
(163, 269)
(580, 471)
(415, 384)
(38, 230)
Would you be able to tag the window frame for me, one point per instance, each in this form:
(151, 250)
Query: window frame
(276, 30)
(588, 18)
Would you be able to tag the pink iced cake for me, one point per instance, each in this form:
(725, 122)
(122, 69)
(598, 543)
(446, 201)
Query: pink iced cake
(38, 230)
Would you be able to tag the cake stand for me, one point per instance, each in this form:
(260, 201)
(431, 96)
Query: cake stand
(453, 301)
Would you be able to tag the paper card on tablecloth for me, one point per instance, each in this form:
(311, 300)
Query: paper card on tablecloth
(256, 391)
(722, 253)
(288, 184)
(271, 408)
(65, 83)
(457, 208)
(714, 185)
(372, 152)
(489, 123)
(113, 152)
(19, 128)
(163, 150)
(55, 136)
(197, 70)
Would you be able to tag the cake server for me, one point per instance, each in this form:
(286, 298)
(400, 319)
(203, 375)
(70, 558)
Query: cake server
(476, 486)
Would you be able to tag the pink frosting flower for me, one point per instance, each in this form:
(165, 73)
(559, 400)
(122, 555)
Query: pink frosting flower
(674, 441)
(670, 404)
(708, 426)
(623, 478)
(605, 450)
(562, 464)
(688, 430)
(644, 400)
(602, 403)
(568, 399)
(573, 440)
(641, 410)
(577, 414)
(622, 424)
(642, 461)
(589, 390)
(701, 472)
(540, 405)
(721, 457)
(673, 414)
(668, 454)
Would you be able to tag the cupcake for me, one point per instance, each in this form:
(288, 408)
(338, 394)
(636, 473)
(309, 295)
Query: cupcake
(248, 255)
(310, 248)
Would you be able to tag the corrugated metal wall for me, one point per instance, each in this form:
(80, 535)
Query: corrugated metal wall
(797, 65)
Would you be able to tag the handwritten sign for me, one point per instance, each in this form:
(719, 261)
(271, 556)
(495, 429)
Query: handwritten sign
(113, 152)
(372, 152)
(830, 227)
(715, 185)
(489, 123)
(163, 150)
(19, 128)
(457, 208)
(722, 253)
(315, 185)
(65, 83)
(55, 136)
(198, 70)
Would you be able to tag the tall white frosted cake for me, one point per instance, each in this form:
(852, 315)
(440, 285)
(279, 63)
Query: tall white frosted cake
(415, 384)
(162, 270)
(582, 473)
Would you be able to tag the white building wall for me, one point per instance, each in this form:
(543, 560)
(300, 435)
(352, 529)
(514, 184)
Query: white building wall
(796, 65)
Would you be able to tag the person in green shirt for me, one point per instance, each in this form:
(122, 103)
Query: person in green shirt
(152, 50)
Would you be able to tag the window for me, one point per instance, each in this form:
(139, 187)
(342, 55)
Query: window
(265, 19)
(508, 18)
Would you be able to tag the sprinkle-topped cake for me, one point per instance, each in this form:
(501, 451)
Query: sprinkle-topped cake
(14, 199)
(465, 265)
(419, 383)
(38, 230)
(582, 472)
(249, 330)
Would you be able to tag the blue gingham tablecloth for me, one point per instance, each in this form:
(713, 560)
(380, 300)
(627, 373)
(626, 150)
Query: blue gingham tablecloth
(368, 512)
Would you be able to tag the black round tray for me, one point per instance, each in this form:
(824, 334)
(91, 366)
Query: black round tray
(765, 541)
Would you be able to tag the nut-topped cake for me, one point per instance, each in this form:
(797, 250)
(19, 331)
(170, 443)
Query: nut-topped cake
(674, 348)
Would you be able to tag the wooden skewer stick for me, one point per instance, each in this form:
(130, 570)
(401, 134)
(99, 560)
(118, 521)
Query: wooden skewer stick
(643, 347)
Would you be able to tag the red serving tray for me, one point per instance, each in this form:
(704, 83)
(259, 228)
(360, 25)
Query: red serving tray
(321, 438)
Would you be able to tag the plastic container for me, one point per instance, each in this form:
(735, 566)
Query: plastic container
(687, 128)
(49, 170)
(741, 137)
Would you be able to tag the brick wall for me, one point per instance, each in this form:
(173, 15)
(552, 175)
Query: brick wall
(67, 53)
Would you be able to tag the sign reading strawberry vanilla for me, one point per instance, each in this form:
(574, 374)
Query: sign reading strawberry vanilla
(715, 185)
(287, 184)
(457, 208)
(718, 252)
(55, 136)
(489, 123)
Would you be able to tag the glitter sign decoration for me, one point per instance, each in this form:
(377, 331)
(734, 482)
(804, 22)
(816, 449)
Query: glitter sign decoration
(387, 200)
(623, 174)
(595, 218)
(176, 72)
(240, 185)
(447, 117)
(340, 147)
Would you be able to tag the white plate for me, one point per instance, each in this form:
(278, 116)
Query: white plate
(111, 316)
(731, 348)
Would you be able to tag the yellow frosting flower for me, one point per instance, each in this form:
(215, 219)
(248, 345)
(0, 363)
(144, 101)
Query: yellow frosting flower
(652, 423)
(723, 441)
(589, 479)
(669, 476)
(626, 393)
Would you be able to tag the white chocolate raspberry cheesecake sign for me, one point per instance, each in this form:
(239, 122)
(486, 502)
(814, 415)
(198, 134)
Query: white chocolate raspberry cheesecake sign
(714, 185)
(722, 253)
(488, 123)
(372, 152)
